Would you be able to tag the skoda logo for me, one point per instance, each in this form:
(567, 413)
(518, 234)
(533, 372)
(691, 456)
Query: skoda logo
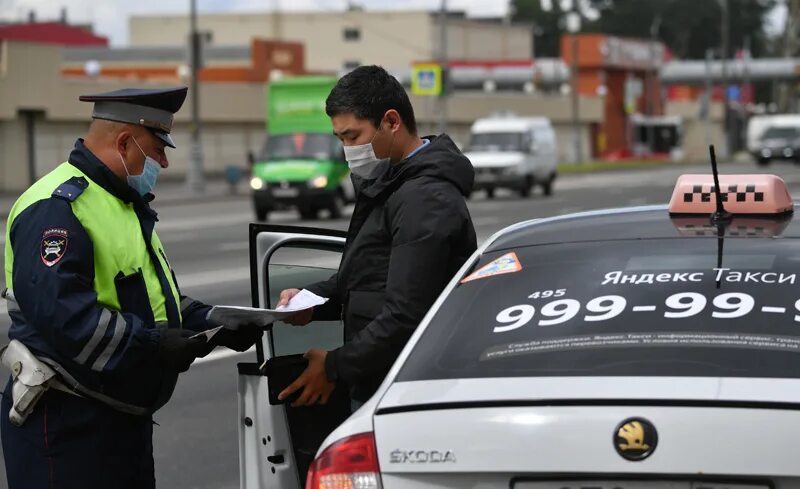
(635, 439)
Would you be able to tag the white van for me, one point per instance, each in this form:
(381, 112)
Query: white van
(758, 124)
(513, 152)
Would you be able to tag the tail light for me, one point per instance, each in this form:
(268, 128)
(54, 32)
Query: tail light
(351, 463)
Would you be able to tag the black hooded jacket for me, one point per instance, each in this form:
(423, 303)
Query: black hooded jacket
(410, 233)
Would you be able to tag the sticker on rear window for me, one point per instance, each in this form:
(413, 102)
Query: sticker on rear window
(508, 263)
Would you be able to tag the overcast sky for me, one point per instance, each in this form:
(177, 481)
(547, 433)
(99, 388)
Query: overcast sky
(110, 17)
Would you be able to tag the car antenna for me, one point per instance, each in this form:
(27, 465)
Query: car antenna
(721, 215)
(721, 218)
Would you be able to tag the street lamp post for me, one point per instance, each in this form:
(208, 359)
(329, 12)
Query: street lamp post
(443, 62)
(652, 77)
(574, 26)
(725, 34)
(708, 97)
(195, 177)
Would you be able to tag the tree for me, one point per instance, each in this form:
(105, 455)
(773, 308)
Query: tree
(687, 27)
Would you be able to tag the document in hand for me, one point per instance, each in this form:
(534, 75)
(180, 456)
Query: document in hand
(231, 316)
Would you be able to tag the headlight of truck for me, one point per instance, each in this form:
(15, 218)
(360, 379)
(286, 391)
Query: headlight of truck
(256, 183)
(318, 182)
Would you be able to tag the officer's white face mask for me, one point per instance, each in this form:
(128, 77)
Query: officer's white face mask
(362, 159)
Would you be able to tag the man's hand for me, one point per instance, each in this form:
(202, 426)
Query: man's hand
(313, 381)
(302, 317)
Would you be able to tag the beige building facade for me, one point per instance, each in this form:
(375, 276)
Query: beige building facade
(336, 41)
(41, 117)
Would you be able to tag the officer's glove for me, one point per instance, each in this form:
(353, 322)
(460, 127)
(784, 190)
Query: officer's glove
(178, 350)
(240, 340)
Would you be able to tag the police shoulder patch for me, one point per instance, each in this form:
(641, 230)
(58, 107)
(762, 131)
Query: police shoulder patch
(71, 189)
(54, 245)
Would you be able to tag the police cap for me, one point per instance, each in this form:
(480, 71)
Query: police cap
(151, 108)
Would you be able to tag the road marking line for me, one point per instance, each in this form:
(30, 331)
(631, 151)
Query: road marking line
(213, 277)
(234, 246)
(780, 310)
(643, 308)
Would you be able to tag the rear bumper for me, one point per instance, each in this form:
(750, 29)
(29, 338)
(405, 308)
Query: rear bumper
(792, 154)
(498, 177)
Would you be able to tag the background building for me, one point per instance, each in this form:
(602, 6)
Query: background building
(337, 41)
(41, 117)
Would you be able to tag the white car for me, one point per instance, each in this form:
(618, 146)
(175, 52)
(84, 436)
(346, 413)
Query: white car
(648, 347)
(513, 152)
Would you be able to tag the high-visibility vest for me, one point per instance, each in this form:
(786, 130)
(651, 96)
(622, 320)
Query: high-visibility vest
(117, 238)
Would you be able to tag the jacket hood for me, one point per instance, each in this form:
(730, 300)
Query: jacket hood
(440, 159)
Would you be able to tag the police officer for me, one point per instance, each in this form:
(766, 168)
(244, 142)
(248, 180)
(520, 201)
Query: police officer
(99, 328)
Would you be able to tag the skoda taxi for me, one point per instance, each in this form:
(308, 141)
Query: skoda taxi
(652, 347)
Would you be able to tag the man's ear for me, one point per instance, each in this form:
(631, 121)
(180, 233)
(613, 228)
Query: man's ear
(394, 120)
(122, 141)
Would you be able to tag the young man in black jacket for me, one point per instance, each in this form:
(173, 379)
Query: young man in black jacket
(409, 233)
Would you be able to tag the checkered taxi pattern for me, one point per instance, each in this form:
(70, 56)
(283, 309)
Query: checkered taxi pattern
(737, 192)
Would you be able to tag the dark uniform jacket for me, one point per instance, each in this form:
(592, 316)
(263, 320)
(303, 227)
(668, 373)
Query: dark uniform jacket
(59, 309)
(410, 232)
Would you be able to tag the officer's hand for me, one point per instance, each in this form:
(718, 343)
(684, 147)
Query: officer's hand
(313, 381)
(177, 350)
(240, 340)
(301, 318)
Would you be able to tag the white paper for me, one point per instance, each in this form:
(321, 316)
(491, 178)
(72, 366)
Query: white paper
(209, 333)
(235, 314)
(305, 299)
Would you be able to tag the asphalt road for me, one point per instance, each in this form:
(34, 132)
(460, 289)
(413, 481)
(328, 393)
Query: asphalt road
(196, 445)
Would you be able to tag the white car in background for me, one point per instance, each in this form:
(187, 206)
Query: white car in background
(648, 347)
(518, 153)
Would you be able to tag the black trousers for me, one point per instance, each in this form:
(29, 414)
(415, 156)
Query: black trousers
(69, 442)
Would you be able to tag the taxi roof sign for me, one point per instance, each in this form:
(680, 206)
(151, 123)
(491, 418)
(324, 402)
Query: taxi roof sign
(741, 194)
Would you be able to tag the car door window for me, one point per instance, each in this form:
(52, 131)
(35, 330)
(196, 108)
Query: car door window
(296, 267)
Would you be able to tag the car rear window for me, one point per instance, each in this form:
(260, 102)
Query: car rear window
(662, 307)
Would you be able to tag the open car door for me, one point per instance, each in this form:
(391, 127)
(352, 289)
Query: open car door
(276, 441)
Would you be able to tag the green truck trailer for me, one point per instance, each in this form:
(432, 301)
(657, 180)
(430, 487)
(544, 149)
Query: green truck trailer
(301, 164)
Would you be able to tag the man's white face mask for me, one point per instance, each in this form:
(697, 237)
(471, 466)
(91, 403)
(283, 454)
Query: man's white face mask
(362, 159)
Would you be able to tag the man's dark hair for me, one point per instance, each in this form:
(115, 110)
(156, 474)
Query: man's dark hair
(368, 92)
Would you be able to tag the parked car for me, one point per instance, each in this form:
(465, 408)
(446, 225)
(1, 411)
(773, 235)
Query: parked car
(644, 347)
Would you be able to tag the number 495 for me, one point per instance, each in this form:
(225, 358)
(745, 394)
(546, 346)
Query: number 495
(544, 294)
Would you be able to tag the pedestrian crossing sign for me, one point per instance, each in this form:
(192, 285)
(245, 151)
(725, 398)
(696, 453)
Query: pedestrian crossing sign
(426, 79)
